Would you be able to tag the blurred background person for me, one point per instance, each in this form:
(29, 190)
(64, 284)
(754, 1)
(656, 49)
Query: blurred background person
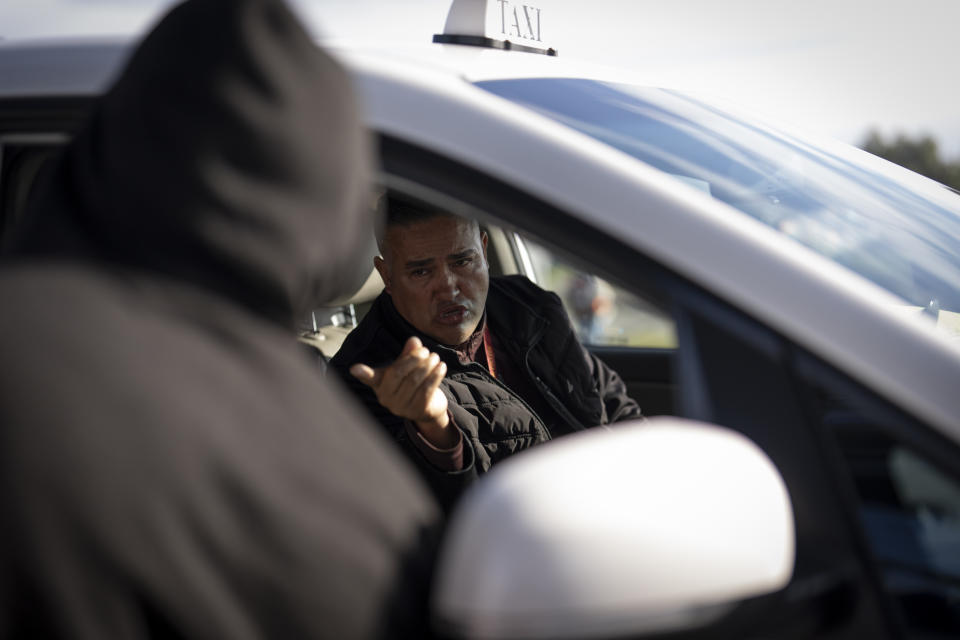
(592, 301)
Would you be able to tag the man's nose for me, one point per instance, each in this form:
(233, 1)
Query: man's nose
(446, 283)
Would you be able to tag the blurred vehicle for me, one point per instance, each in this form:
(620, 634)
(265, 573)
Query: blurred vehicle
(799, 292)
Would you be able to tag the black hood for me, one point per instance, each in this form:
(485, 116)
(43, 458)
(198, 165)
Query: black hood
(229, 154)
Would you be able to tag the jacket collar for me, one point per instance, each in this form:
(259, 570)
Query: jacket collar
(512, 318)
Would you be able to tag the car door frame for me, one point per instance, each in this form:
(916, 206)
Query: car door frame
(836, 588)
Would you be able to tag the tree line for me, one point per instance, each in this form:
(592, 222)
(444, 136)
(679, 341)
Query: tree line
(920, 154)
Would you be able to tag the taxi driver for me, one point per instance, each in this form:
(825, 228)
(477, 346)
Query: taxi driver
(464, 369)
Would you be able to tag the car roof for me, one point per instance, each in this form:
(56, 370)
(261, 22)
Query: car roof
(82, 66)
(75, 67)
(476, 64)
(828, 310)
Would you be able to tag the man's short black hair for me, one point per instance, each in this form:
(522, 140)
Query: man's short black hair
(402, 211)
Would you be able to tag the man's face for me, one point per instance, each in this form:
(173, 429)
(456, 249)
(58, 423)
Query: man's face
(437, 274)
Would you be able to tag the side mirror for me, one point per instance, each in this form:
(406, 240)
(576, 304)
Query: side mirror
(647, 527)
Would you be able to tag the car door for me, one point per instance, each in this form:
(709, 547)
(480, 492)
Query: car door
(833, 438)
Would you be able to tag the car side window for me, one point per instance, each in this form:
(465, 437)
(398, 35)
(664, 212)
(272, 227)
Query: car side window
(602, 313)
(20, 166)
(899, 480)
(910, 512)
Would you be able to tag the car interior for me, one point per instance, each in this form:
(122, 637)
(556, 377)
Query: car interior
(633, 336)
(629, 333)
(619, 327)
(22, 158)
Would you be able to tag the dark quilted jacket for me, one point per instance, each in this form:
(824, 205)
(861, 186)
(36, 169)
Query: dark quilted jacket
(534, 329)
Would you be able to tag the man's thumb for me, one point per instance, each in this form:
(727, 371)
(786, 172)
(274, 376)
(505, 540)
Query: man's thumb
(367, 375)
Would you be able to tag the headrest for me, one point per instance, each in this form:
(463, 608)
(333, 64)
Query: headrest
(371, 289)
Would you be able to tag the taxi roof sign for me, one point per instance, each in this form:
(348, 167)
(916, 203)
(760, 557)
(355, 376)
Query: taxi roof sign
(496, 24)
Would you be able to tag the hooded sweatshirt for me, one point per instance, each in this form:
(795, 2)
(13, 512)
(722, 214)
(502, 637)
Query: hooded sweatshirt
(171, 464)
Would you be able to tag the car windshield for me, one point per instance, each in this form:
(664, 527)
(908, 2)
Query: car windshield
(895, 228)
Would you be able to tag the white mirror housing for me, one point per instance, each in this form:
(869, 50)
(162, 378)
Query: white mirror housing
(646, 527)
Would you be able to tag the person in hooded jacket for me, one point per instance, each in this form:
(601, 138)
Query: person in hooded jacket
(171, 464)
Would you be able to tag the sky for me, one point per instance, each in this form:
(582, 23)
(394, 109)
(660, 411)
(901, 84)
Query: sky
(832, 67)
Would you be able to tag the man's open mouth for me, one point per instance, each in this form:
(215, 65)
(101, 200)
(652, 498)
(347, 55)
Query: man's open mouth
(453, 314)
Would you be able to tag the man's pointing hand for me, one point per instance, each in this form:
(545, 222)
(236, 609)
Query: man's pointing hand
(410, 388)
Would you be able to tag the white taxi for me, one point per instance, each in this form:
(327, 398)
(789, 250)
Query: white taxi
(797, 292)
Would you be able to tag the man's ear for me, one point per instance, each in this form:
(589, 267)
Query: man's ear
(381, 268)
(483, 243)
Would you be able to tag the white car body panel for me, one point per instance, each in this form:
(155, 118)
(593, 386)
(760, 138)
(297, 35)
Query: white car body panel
(836, 314)
(424, 98)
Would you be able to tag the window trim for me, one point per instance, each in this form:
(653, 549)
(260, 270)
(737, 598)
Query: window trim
(426, 175)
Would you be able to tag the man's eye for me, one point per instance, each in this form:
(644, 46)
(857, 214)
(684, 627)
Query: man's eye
(462, 262)
(418, 273)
